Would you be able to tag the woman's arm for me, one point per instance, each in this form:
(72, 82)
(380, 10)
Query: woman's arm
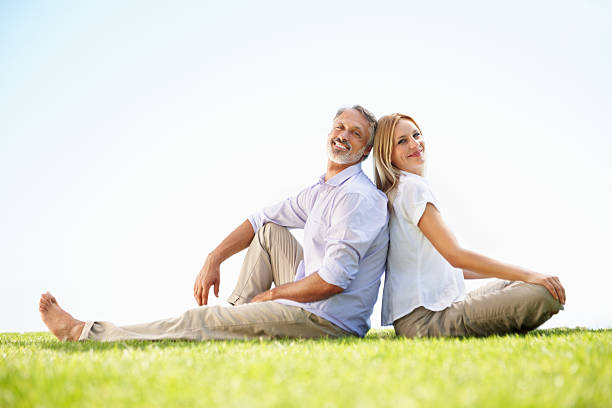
(441, 237)
(473, 275)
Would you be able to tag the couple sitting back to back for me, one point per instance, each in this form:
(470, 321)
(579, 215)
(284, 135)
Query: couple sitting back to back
(352, 229)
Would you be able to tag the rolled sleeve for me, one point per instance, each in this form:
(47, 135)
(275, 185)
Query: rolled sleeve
(291, 213)
(334, 273)
(356, 222)
(416, 210)
(256, 221)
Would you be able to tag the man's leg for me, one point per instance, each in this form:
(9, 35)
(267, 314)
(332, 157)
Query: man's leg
(272, 257)
(514, 307)
(254, 320)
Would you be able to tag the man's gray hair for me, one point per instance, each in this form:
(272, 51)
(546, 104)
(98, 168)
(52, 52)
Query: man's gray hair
(366, 114)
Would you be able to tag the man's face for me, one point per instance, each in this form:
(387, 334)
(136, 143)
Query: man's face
(348, 140)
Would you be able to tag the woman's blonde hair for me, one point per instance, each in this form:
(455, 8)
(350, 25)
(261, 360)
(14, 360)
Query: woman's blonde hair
(386, 174)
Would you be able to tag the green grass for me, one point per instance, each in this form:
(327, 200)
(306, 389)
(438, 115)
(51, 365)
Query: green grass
(548, 368)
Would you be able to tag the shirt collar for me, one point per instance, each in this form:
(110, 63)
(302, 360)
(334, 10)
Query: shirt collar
(342, 176)
(412, 175)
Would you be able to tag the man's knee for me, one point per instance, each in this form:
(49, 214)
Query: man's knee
(272, 228)
(269, 230)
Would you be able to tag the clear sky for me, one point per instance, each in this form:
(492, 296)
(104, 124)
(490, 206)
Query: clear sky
(134, 137)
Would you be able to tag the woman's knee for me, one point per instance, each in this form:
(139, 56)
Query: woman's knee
(543, 297)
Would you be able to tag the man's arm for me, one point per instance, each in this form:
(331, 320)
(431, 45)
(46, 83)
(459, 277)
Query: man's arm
(309, 289)
(291, 212)
(209, 275)
(354, 227)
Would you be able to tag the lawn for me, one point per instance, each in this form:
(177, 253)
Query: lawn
(546, 368)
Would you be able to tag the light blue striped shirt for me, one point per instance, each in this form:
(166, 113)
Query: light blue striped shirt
(345, 241)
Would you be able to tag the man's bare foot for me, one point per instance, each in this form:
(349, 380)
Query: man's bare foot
(61, 323)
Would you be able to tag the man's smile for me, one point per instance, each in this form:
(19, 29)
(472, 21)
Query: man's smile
(341, 146)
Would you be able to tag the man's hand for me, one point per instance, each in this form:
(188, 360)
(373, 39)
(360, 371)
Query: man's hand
(263, 297)
(209, 275)
(309, 289)
(551, 283)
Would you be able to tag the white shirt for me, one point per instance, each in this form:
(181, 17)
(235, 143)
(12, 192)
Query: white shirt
(345, 241)
(417, 275)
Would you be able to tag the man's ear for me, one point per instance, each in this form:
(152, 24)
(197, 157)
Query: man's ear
(366, 152)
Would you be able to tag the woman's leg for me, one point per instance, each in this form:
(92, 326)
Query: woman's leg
(517, 308)
(493, 286)
(511, 307)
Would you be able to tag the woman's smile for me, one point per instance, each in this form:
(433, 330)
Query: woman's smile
(408, 148)
(418, 153)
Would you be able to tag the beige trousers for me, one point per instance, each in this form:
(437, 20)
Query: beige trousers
(272, 257)
(499, 307)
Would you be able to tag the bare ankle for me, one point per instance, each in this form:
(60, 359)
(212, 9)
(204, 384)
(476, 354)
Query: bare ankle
(75, 332)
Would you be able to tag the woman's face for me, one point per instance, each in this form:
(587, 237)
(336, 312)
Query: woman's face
(408, 148)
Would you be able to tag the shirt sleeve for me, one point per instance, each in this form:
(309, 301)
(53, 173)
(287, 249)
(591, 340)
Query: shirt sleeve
(356, 222)
(291, 212)
(413, 199)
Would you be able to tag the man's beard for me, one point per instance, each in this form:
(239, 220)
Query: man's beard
(347, 157)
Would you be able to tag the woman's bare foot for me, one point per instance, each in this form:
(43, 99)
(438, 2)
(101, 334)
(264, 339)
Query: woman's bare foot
(61, 323)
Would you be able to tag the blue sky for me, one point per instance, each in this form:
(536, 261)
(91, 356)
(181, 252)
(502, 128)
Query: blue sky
(133, 138)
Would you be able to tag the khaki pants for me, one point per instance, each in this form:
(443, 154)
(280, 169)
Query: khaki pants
(272, 257)
(500, 307)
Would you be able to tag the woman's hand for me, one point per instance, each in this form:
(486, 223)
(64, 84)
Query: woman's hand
(551, 283)
(209, 275)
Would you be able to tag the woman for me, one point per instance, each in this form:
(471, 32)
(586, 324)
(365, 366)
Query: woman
(424, 292)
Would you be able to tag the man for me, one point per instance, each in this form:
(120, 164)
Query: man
(326, 289)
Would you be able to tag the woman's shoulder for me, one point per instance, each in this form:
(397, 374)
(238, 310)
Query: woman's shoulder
(413, 188)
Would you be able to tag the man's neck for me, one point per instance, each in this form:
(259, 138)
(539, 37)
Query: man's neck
(334, 168)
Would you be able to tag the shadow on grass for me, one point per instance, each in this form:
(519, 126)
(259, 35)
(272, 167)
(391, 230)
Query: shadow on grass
(563, 331)
(47, 341)
(558, 332)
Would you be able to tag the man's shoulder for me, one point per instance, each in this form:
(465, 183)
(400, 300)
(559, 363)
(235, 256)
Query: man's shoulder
(362, 185)
(366, 203)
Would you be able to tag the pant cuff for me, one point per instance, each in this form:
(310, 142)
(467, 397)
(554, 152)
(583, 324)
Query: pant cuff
(86, 329)
(234, 299)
